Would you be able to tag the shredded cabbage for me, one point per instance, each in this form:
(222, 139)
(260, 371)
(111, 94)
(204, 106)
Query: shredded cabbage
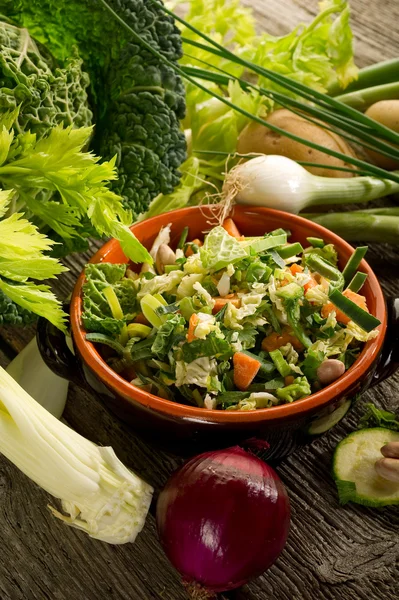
(198, 372)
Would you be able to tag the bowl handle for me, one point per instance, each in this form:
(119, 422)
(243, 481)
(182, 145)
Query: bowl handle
(56, 354)
(389, 359)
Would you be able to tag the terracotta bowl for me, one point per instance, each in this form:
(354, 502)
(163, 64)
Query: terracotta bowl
(187, 427)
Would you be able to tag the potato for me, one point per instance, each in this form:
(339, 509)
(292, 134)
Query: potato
(385, 112)
(259, 138)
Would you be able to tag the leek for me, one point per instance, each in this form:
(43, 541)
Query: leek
(98, 494)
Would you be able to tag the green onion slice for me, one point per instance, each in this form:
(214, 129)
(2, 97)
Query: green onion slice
(353, 263)
(354, 312)
(290, 250)
(316, 242)
(183, 238)
(280, 363)
(357, 282)
(325, 269)
(101, 338)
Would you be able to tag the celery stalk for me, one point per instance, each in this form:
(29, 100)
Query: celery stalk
(362, 99)
(377, 74)
(361, 226)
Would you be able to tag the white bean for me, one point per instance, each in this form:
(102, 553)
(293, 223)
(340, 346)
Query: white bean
(330, 370)
(388, 468)
(390, 450)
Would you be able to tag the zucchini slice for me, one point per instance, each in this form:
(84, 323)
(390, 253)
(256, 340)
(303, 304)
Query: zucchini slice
(353, 468)
(324, 424)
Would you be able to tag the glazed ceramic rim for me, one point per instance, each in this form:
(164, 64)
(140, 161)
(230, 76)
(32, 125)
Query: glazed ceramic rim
(320, 399)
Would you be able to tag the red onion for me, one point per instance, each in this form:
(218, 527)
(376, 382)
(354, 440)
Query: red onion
(223, 518)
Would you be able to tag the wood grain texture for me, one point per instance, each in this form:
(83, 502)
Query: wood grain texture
(333, 553)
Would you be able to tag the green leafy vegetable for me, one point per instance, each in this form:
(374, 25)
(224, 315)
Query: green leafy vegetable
(291, 295)
(138, 100)
(169, 333)
(191, 181)
(299, 389)
(376, 417)
(45, 94)
(312, 362)
(210, 346)
(220, 249)
(98, 315)
(23, 256)
(245, 336)
(57, 164)
(138, 351)
(280, 363)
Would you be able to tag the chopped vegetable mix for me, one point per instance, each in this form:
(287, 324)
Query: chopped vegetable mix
(239, 323)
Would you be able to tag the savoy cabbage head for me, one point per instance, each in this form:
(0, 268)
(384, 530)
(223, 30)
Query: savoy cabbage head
(137, 101)
(30, 80)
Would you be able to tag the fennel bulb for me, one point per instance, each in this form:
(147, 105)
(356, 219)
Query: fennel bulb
(278, 182)
(98, 493)
(33, 375)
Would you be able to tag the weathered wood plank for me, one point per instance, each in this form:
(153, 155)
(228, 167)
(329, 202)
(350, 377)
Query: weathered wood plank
(333, 552)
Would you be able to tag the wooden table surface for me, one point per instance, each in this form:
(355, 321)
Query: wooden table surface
(333, 552)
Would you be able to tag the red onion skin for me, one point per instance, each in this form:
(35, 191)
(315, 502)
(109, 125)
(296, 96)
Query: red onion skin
(223, 518)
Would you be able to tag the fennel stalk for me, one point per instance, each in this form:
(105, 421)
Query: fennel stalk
(98, 493)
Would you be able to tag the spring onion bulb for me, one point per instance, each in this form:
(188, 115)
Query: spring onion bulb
(281, 183)
(98, 493)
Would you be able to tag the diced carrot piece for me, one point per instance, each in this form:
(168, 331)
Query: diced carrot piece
(231, 228)
(284, 282)
(197, 242)
(192, 324)
(245, 370)
(276, 340)
(295, 268)
(340, 316)
(141, 319)
(289, 380)
(309, 285)
(220, 302)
